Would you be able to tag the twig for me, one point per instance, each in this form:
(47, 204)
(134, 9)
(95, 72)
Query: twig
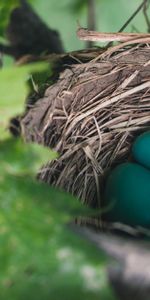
(89, 35)
(142, 5)
(133, 15)
(93, 36)
(146, 15)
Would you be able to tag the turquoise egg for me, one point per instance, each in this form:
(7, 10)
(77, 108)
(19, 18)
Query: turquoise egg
(127, 195)
(141, 149)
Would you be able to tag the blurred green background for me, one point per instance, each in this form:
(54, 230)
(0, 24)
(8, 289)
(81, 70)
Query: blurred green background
(110, 16)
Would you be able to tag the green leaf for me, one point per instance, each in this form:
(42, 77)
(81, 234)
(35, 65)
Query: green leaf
(5, 9)
(14, 89)
(18, 162)
(54, 267)
(39, 257)
(18, 158)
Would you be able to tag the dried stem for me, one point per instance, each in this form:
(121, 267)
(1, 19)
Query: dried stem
(89, 35)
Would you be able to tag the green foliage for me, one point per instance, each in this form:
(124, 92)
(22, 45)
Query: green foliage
(23, 159)
(41, 258)
(14, 89)
(5, 9)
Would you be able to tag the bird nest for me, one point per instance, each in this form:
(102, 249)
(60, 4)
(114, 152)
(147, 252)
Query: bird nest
(90, 116)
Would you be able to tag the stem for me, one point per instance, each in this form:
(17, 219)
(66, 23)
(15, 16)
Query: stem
(133, 15)
(91, 19)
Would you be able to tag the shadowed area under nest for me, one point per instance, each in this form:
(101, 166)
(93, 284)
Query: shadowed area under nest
(91, 116)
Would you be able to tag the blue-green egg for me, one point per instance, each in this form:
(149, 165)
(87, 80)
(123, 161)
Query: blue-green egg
(141, 149)
(127, 195)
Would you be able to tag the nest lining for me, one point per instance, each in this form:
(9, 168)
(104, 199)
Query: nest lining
(91, 116)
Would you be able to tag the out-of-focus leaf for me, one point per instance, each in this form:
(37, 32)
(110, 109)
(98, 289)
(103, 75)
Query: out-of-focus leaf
(52, 267)
(14, 89)
(18, 158)
(6, 6)
(39, 257)
(18, 162)
(16, 183)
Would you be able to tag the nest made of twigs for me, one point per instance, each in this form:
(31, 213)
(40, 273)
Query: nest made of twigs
(91, 116)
